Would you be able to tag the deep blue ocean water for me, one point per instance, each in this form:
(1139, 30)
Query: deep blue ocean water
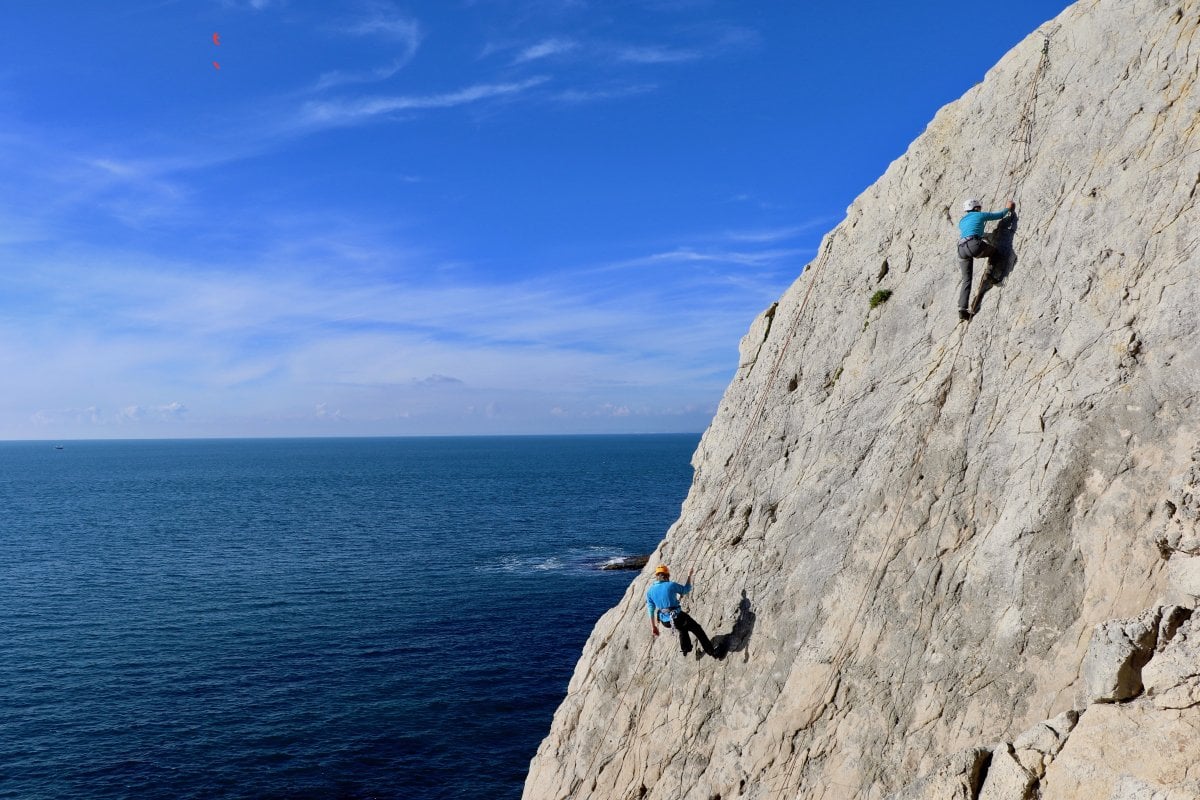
(354, 618)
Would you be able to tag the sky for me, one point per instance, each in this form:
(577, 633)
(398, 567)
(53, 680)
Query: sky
(463, 217)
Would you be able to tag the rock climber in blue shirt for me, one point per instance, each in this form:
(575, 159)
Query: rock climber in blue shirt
(972, 245)
(662, 603)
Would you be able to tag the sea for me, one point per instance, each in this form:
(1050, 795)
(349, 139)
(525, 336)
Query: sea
(307, 618)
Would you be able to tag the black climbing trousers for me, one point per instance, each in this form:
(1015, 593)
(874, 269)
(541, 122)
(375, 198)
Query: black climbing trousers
(685, 625)
(968, 251)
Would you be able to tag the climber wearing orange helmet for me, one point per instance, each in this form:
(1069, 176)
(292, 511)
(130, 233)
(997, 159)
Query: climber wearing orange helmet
(662, 603)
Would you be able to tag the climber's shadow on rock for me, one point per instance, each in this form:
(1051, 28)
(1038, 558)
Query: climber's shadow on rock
(1003, 263)
(743, 626)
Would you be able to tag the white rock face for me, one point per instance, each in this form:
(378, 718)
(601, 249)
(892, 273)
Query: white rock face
(1007, 778)
(1172, 679)
(1128, 752)
(907, 528)
(1120, 648)
(957, 779)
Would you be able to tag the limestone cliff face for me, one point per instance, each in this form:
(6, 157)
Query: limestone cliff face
(909, 528)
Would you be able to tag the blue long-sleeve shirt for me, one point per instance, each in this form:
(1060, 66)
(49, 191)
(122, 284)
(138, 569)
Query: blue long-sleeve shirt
(973, 222)
(662, 595)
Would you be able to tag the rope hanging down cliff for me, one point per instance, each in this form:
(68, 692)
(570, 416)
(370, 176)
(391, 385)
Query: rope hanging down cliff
(1022, 143)
(790, 334)
(812, 272)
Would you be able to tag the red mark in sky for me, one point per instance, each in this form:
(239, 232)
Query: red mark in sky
(216, 65)
(217, 39)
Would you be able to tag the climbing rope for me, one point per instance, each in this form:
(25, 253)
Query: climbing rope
(639, 706)
(1022, 144)
(870, 586)
(637, 709)
(789, 335)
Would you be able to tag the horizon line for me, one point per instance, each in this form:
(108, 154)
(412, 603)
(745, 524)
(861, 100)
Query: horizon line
(350, 436)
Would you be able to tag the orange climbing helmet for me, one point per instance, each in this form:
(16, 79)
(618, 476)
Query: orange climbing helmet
(662, 569)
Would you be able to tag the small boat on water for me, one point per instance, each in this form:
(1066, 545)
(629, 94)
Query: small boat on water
(58, 447)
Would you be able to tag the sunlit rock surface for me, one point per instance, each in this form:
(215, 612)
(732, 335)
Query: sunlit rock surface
(907, 528)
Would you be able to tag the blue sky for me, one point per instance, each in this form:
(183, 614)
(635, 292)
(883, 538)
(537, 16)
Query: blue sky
(433, 217)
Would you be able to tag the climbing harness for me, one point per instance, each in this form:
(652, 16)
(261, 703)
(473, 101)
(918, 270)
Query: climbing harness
(667, 616)
(970, 247)
(791, 334)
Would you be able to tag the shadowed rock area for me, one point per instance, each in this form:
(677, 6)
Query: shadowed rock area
(950, 559)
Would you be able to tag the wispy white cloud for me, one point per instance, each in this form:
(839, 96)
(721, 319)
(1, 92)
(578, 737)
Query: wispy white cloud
(311, 324)
(573, 96)
(254, 5)
(47, 417)
(291, 344)
(746, 258)
(384, 20)
(162, 413)
(545, 49)
(56, 178)
(438, 380)
(329, 113)
(780, 234)
(339, 77)
(323, 412)
(112, 419)
(709, 42)
(134, 192)
(694, 43)
(655, 54)
(613, 410)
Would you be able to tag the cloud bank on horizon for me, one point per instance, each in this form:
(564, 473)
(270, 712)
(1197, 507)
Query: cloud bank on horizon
(389, 218)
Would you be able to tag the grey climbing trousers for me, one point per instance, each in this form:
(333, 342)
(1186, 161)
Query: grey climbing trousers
(968, 251)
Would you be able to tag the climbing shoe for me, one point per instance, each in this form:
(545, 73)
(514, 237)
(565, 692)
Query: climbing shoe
(964, 315)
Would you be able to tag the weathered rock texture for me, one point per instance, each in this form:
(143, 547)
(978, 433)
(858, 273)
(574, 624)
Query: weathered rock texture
(1120, 648)
(1146, 749)
(907, 528)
